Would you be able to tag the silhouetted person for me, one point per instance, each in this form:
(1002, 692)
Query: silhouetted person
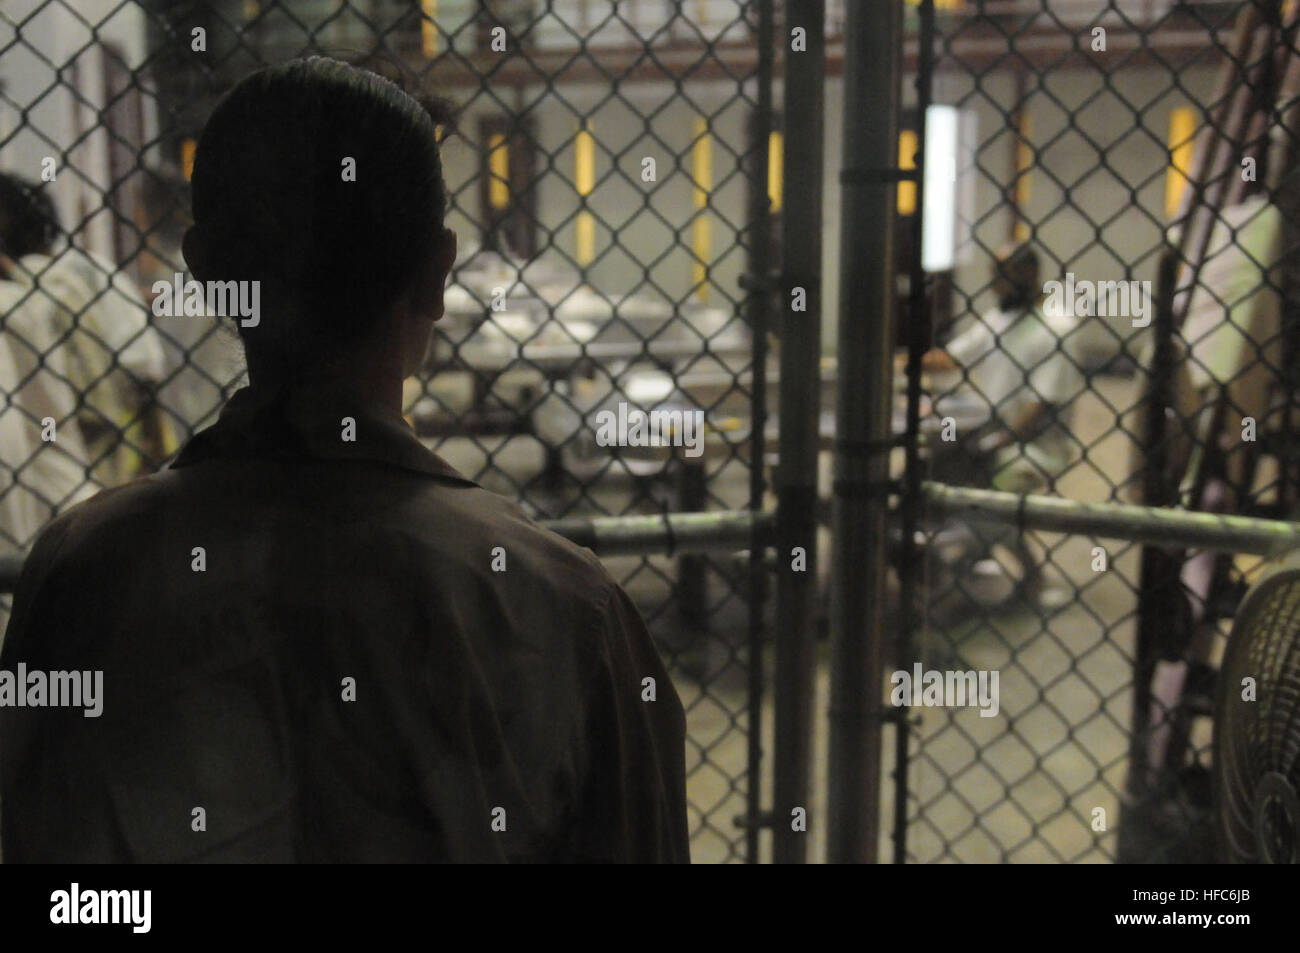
(319, 642)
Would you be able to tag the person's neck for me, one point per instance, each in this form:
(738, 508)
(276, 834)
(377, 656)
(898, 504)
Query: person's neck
(375, 384)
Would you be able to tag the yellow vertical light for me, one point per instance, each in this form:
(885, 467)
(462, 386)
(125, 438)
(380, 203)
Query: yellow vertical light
(1024, 162)
(429, 28)
(1182, 143)
(188, 148)
(701, 227)
(1024, 159)
(775, 170)
(907, 161)
(498, 171)
(584, 179)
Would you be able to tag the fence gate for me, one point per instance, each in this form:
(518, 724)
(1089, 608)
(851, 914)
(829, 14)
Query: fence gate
(1136, 161)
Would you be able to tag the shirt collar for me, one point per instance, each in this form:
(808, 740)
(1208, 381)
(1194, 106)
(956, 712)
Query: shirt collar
(307, 423)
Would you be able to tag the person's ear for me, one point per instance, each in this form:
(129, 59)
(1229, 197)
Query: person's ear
(444, 257)
(195, 253)
(446, 254)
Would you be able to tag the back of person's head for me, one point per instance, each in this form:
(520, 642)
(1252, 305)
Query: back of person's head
(29, 223)
(1016, 274)
(323, 182)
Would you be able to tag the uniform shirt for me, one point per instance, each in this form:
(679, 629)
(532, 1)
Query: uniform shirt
(42, 470)
(102, 314)
(111, 347)
(308, 652)
(1011, 359)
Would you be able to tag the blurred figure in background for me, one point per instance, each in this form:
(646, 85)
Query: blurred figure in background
(114, 359)
(1020, 373)
(38, 477)
(1019, 362)
(43, 461)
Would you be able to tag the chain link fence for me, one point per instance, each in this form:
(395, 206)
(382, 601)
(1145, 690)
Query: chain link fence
(1086, 142)
(602, 165)
(610, 168)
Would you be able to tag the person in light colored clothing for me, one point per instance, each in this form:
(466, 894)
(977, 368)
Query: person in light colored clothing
(1019, 376)
(114, 357)
(43, 462)
(44, 459)
(1020, 363)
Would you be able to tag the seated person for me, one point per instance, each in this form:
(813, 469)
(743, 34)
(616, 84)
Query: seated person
(1017, 364)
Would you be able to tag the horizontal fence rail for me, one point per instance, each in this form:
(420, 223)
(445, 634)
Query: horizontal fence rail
(1151, 525)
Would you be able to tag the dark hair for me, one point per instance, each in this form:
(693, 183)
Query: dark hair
(271, 204)
(1020, 260)
(28, 221)
(1024, 258)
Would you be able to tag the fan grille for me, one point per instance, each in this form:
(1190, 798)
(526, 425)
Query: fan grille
(1257, 729)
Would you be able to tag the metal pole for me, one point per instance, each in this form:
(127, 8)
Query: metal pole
(1159, 586)
(693, 568)
(715, 531)
(918, 339)
(1150, 525)
(758, 305)
(872, 54)
(796, 475)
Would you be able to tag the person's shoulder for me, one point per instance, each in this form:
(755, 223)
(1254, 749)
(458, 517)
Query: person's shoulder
(73, 269)
(12, 291)
(442, 536)
(88, 539)
(973, 338)
(1058, 324)
(497, 533)
(32, 267)
(105, 512)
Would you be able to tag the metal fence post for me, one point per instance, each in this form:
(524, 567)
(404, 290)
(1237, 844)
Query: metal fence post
(872, 53)
(796, 478)
(910, 564)
(757, 308)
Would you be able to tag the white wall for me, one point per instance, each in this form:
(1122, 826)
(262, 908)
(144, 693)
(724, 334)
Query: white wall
(58, 122)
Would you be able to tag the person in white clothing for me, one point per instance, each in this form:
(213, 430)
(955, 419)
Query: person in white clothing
(114, 357)
(43, 462)
(1019, 376)
(1021, 366)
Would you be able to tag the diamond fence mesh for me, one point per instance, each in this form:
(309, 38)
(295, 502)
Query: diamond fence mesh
(600, 162)
(1088, 141)
(604, 161)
